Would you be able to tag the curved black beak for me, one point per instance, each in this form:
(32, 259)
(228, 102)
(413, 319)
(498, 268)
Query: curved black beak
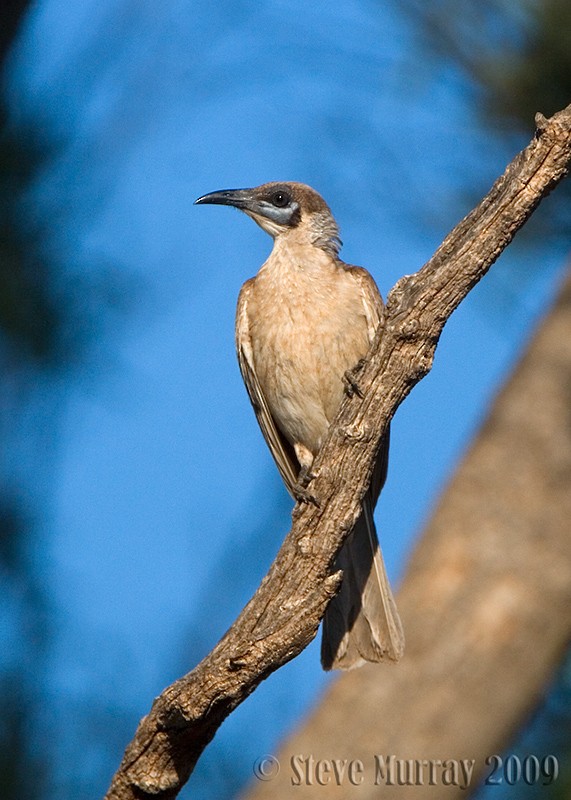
(239, 198)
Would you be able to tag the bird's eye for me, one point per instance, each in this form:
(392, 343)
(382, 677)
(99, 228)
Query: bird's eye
(280, 199)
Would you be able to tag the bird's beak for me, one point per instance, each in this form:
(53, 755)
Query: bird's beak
(257, 205)
(239, 198)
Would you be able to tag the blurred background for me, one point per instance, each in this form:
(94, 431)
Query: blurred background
(139, 507)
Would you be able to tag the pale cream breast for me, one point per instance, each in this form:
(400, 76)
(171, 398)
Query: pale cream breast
(307, 323)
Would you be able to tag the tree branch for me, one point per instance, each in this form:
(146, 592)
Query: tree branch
(284, 614)
(485, 605)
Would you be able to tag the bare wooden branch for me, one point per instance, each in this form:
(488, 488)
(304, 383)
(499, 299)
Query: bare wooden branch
(284, 614)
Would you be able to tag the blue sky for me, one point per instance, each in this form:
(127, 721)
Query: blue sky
(165, 508)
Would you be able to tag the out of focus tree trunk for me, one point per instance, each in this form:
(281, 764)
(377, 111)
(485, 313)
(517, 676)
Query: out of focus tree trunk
(486, 605)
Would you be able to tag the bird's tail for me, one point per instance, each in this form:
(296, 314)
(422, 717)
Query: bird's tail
(361, 622)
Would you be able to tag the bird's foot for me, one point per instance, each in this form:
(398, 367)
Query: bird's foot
(352, 387)
(301, 494)
(305, 476)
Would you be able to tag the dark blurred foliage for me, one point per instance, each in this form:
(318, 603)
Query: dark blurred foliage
(23, 770)
(515, 57)
(537, 75)
(43, 330)
(518, 54)
(28, 329)
(32, 315)
(31, 324)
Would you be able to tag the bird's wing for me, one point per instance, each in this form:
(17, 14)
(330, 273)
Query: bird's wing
(374, 310)
(373, 305)
(280, 448)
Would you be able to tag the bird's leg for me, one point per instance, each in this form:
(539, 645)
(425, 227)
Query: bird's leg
(352, 388)
(305, 458)
(305, 476)
(302, 495)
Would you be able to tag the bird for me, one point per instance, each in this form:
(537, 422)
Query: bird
(303, 323)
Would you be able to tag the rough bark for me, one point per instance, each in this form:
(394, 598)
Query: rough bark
(284, 614)
(485, 602)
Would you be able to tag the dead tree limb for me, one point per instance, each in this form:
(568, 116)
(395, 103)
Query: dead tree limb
(284, 614)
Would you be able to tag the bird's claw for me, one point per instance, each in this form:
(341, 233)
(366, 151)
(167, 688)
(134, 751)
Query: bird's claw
(305, 476)
(352, 388)
(301, 494)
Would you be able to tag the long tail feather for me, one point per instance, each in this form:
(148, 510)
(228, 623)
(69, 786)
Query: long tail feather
(362, 622)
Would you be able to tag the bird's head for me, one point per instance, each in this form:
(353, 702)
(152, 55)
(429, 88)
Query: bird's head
(282, 208)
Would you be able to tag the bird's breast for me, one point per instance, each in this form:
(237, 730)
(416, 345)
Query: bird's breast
(307, 328)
